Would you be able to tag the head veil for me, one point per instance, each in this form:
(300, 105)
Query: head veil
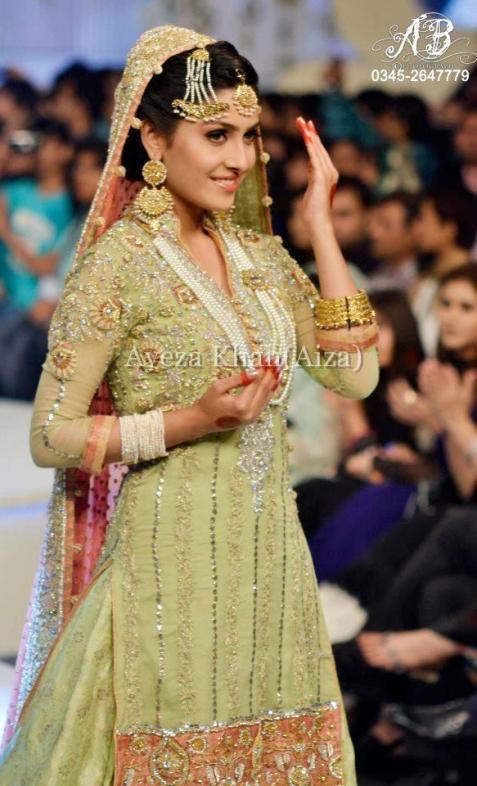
(81, 505)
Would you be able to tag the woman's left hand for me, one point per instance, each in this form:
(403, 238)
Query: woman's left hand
(322, 179)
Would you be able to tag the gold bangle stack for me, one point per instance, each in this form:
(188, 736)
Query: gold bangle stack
(344, 312)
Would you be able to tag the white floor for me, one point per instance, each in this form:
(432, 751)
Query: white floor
(6, 683)
(24, 494)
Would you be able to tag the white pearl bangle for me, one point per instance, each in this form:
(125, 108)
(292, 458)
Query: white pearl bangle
(142, 436)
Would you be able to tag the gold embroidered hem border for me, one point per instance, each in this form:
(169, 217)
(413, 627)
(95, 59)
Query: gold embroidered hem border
(301, 748)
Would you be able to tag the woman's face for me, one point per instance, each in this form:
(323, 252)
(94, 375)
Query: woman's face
(457, 314)
(386, 341)
(206, 161)
(85, 176)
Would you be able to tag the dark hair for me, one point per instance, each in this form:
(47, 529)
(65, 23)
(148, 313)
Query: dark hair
(412, 111)
(359, 189)
(22, 92)
(468, 273)
(87, 86)
(161, 90)
(394, 306)
(97, 147)
(48, 128)
(408, 353)
(373, 101)
(454, 206)
(409, 202)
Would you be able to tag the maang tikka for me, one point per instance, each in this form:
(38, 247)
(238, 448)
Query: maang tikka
(245, 98)
(154, 199)
(200, 101)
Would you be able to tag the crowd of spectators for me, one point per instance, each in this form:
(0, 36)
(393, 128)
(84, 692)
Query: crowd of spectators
(386, 488)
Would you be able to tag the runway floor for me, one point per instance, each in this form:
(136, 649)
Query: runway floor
(24, 493)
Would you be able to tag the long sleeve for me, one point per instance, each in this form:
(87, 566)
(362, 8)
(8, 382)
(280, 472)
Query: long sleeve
(344, 360)
(90, 322)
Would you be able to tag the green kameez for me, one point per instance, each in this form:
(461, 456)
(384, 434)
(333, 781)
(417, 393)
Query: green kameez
(204, 615)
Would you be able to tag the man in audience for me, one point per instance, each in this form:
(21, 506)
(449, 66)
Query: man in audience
(392, 241)
(350, 221)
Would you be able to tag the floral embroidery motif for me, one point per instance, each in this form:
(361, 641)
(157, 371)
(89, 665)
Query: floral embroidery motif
(281, 749)
(63, 359)
(169, 763)
(106, 315)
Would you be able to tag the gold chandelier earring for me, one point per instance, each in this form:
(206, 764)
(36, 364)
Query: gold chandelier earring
(154, 199)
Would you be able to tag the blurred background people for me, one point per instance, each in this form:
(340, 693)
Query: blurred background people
(385, 487)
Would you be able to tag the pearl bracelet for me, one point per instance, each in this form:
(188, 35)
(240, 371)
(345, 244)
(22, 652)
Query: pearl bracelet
(142, 437)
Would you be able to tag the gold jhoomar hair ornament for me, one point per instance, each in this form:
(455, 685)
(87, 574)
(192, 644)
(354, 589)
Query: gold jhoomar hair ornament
(200, 101)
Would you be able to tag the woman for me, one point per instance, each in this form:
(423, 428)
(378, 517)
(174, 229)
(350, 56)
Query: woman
(444, 231)
(192, 640)
(344, 515)
(446, 402)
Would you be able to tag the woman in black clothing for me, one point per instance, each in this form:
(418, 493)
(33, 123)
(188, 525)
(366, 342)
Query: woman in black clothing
(329, 508)
(448, 394)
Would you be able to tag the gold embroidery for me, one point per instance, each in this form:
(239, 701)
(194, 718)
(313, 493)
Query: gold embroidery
(254, 279)
(106, 314)
(284, 749)
(63, 359)
(184, 295)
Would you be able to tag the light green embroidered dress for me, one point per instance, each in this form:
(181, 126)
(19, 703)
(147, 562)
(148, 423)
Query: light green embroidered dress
(204, 612)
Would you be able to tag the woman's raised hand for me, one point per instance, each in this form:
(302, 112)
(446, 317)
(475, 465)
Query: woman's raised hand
(219, 410)
(322, 178)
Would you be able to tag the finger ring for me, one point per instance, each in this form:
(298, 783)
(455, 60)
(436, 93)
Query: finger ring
(409, 398)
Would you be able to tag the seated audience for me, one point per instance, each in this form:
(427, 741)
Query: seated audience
(376, 478)
(444, 231)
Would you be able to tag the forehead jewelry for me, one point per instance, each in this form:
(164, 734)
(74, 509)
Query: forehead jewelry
(200, 101)
(245, 98)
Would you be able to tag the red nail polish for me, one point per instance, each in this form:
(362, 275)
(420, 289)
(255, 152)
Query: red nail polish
(245, 378)
(301, 124)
